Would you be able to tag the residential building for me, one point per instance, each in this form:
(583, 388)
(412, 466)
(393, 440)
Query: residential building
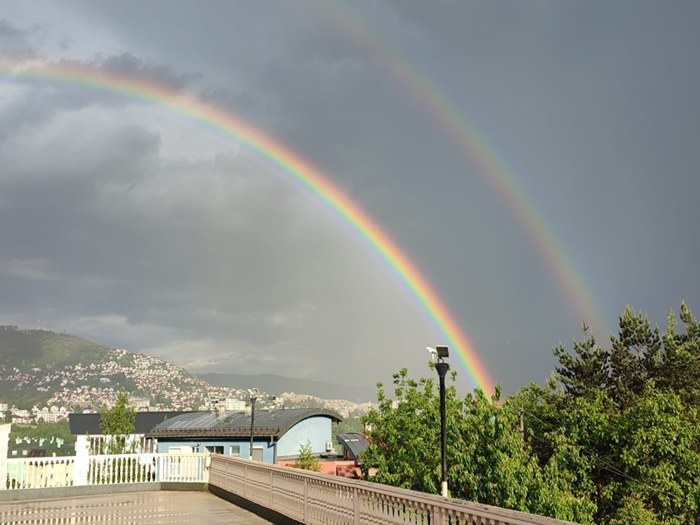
(89, 436)
(277, 434)
(234, 405)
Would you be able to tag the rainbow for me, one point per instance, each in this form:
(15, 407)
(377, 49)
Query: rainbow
(280, 157)
(491, 166)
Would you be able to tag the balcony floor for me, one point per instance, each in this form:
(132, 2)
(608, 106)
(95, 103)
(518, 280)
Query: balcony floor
(136, 508)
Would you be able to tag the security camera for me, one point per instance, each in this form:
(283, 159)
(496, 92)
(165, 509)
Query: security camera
(433, 353)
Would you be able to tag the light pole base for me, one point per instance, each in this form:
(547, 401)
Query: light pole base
(444, 489)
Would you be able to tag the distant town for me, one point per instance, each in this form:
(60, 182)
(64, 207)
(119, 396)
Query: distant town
(162, 385)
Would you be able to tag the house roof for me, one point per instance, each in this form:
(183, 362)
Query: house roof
(355, 443)
(81, 424)
(268, 423)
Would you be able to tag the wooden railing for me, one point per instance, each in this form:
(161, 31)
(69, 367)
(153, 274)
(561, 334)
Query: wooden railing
(114, 469)
(324, 499)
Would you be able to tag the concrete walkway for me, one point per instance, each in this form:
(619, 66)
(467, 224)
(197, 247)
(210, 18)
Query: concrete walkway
(136, 508)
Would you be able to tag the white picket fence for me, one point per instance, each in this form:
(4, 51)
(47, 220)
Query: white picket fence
(28, 473)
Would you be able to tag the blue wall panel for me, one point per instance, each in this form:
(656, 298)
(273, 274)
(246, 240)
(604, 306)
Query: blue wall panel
(314, 429)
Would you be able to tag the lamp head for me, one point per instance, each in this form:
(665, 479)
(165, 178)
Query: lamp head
(442, 351)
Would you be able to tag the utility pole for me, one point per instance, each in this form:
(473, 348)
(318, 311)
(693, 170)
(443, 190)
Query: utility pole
(253, 396)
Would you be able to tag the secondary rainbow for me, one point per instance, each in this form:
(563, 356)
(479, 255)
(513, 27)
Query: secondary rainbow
(491, 166)
(288, 162)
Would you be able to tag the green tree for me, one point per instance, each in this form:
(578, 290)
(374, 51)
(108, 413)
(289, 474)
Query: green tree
(634, 357)
(488, 459)
(306, 459)
(656, 443)
(585, 372)
(679, 369)
(633, 510)
(634, 441)
(117, 424)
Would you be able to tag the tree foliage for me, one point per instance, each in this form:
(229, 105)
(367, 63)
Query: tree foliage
(488, 460)
(586, 371)
(117, 424)
(639, 425)
(612, 437)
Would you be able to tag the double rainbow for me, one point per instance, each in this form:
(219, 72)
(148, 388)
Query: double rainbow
(345, 17)
(285, 160)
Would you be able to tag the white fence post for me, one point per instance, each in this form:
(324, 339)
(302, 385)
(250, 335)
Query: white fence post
(82, 457)
(113, 469)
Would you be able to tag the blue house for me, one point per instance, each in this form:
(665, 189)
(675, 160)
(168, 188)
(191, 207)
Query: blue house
(277, 434)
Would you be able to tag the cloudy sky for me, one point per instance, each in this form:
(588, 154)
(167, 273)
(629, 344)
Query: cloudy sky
(536, 161)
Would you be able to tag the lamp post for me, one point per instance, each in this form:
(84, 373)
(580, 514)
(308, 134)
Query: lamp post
(253, 393)
(439, 353)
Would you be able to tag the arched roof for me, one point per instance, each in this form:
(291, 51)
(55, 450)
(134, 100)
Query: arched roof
(268, 423)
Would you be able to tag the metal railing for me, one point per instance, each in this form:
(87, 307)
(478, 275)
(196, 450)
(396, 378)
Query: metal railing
(28, 473)
(324, 499)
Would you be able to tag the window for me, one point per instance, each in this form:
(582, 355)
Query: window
(215, 450)
(257, 454)
(235, 450)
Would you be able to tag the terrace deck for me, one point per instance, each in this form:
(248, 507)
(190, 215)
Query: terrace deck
(136, 508)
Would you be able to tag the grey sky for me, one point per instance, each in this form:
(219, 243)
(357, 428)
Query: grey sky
(130, 225)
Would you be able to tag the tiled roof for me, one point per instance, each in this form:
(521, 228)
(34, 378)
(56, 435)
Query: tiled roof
(272, 423)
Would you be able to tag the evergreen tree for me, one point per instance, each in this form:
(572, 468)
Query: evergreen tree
(679, 369)
(634, 358)
(586, 371)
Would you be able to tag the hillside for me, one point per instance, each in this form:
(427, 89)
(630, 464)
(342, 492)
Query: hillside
(28, 348)
(41, 367)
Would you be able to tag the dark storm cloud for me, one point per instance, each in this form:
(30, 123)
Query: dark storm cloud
(42, 100)
(134, 67)
(16, 42)
(185, 246)
(131, 226)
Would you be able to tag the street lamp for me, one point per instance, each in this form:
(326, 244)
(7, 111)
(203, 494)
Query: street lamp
(439, 353)
(253, 393)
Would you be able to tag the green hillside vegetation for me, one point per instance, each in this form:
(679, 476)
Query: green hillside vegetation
(26, 350)
(47, 436)
(23, 348)
(37, 366)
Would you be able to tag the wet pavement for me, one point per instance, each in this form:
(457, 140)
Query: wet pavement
(136, 508)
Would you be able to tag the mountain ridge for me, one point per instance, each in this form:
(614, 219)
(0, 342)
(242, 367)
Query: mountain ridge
(275, 385)
(48, 368)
